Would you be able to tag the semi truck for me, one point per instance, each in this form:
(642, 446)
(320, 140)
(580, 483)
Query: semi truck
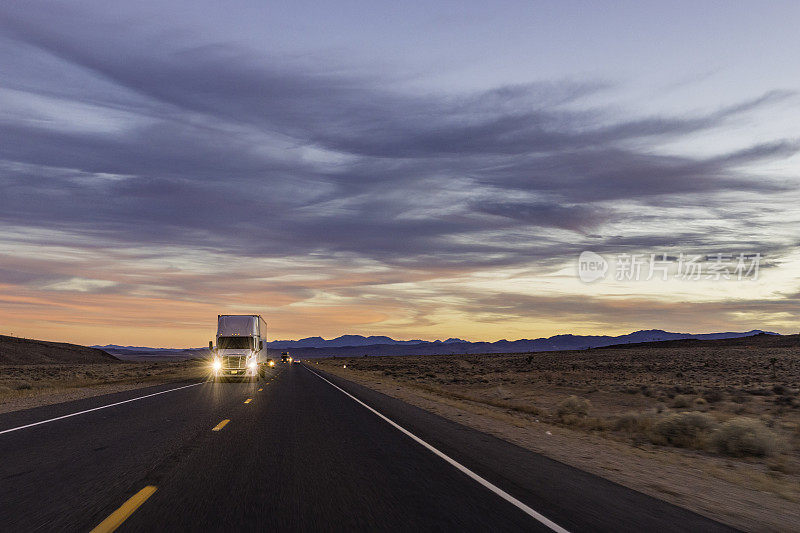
(241, 347)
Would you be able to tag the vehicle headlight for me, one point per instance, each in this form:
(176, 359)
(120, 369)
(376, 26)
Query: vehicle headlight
(272, 363)
(217, 364)
(252, 364)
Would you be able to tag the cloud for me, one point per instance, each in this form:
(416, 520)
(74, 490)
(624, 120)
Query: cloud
(575, 218)
(228, 151)
(80, 285)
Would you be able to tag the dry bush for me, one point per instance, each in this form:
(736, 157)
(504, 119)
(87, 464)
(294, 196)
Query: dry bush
(591, 423)
(573, 406)
(685, 430)
(633, 423)
(783, 465)
(713, 396)
(682, 401)
(700, 402)
(745, 436)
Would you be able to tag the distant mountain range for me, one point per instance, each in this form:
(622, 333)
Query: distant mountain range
(352, 345)
(353, 340)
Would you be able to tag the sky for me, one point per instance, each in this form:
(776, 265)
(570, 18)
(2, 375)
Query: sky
(417, 169)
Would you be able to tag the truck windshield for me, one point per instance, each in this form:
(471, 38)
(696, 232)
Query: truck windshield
(235, 343)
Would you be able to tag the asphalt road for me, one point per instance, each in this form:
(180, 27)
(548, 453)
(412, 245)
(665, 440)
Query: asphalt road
(301, 455)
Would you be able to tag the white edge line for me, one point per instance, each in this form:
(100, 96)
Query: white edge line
(98, 408)
(492, 487)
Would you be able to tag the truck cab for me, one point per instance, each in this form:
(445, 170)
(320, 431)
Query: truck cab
(241, 347)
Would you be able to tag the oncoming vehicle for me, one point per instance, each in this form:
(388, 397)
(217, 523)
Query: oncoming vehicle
(241, 350)
(285, 357)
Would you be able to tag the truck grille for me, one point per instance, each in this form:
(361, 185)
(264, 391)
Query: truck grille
(233, 361)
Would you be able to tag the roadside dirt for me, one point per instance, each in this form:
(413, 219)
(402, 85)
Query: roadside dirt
(26, 386)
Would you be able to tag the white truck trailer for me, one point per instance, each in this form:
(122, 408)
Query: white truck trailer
(241, 348)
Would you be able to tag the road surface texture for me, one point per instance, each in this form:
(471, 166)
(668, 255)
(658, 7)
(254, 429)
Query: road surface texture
(301, 455)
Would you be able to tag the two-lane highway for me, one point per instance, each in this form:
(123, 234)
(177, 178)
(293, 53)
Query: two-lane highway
(295, 453)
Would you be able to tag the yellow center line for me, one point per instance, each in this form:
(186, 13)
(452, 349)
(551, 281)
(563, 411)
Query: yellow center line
(116, 518)
(248, 400)
(221, 425)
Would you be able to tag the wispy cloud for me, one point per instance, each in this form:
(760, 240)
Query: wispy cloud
(218, 149)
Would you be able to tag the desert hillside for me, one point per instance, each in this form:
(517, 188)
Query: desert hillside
(16, 351)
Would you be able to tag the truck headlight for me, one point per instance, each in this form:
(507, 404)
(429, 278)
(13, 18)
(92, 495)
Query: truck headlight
(216, 365)
(252, 365)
